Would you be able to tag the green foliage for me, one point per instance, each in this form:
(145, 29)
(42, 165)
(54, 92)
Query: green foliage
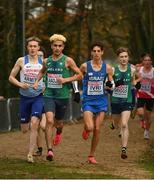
(7, 43)
(115, 23)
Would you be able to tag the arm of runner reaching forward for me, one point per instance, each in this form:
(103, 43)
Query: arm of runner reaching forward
(109, 85)
(70, 63)
(136, 77)
(136, 83)
(40, 74)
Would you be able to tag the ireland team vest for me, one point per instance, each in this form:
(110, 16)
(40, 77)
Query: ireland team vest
(122, 93)
(57, 69)
(28, 75)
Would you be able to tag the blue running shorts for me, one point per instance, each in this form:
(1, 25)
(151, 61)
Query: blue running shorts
(30, 106)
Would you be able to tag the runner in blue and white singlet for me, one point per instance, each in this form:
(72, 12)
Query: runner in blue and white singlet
(28, 75)
(31, 100)
(94, 99)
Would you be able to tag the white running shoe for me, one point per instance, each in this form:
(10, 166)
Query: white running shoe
(30, 158)
(146, 134)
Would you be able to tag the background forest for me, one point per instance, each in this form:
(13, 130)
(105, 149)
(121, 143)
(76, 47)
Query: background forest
(116, 23)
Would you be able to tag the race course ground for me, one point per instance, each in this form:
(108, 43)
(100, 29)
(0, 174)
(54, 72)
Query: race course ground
(73, 151)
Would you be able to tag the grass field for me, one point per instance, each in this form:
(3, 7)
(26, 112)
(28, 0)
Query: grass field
(20, 169)
(147, 160)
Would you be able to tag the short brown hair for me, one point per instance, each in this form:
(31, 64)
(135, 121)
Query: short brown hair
(145, 55)
(33, 38)
(121, 50)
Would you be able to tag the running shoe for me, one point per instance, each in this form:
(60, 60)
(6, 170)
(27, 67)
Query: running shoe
(146, 134)
(123, 153)
(85, 134)
(57, 139)
(111, 126)
(92, 160)
(50, 155)
(30, 158)
(38, 153)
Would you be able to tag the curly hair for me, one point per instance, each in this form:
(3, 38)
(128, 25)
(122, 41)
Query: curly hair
(57, 37)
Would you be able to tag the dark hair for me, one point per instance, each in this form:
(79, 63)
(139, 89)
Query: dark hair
(33, 38)
(145, 55)
(121, 50)
(97, 43)
(44, 51)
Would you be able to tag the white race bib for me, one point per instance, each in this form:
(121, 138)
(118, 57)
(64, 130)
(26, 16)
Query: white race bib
(121, 91)
(95, 88)
(30, 78)
(52, 81)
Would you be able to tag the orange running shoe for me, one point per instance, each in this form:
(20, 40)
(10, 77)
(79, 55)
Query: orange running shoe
(92, 160)
(85, 134)
(57, 139)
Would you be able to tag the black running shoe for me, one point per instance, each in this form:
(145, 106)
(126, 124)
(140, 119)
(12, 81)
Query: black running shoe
(123, 153)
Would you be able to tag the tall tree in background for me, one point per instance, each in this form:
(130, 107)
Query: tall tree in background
(7, 44)
(115, 22)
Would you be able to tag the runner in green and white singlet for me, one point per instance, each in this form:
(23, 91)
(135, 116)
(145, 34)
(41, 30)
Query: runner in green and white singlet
(122, 93)
(121, 100)
(58, 69)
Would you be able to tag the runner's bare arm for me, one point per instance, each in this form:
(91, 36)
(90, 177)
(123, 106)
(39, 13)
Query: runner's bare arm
(40, 74)
(83, 68)
(110, 85)
(135, 75)
(109, 72)
(12, 77)
(70, 63)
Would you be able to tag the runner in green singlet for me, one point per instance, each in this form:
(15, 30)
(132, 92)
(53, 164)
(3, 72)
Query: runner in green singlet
(121, 101)
(58, 68)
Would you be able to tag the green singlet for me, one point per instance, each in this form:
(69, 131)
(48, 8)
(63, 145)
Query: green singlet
(122, 93)
(57, 69)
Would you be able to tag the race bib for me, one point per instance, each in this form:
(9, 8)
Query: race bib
(52, 81)
(146, 87)
(95, 88)
(121, 91)
(30, 79)
(146, 84)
